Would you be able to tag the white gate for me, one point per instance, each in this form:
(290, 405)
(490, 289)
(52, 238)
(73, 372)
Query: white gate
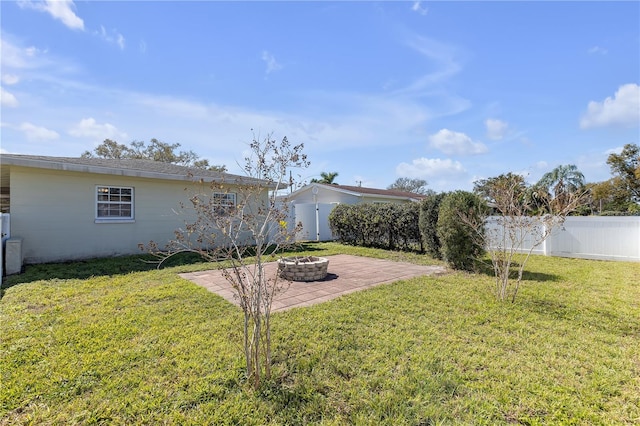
(315, 221)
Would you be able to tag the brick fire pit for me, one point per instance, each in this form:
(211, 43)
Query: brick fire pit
(303, 268)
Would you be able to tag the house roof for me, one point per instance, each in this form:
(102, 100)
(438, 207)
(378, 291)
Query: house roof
(382, 192)
(124, 167)
(362, 191)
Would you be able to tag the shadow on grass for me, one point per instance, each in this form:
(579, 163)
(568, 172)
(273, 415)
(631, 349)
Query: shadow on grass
(591, 317)
(120, 265)
(551, 308)
(83, 269)
(486, 267)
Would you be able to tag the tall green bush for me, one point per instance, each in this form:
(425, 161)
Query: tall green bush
(458, 229)
(408, 226)
(386, 225)
(428, 223)
(344, 224)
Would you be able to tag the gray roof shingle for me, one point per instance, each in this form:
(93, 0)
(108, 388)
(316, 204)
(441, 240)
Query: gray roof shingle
(127, 167)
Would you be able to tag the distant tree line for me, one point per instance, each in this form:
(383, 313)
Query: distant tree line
(619, 195)
(156, 150)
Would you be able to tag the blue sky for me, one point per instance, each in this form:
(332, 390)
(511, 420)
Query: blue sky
(449, 92)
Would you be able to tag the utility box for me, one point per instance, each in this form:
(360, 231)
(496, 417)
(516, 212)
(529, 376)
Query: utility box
(13, 256)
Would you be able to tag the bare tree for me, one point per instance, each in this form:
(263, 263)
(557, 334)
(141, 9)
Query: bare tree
(239, 224)
(519, 226)
(417, 186)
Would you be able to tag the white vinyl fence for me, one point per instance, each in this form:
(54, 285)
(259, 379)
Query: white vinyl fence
(586, 237)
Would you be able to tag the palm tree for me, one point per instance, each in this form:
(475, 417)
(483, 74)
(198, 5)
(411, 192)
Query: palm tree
(561, 185)
(327, 178)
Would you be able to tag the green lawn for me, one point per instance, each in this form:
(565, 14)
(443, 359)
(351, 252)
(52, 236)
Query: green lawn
(90, 343)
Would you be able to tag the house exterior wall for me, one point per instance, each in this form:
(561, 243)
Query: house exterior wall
(54, 212)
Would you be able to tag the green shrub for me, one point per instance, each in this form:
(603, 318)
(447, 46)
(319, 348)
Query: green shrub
(428, 223)
(408, 227)
(460, 229)
(386, 225)
(627, 213)
(343, 224)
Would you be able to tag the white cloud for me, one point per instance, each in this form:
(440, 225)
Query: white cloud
(419, 8)
(334, 121)
(430, 168)
(61, 10)
(598, 50)
(7, 99)
(621, 110)
(89, 128)
(112, 36)
(120, 41)
(442, 55)
(496, 128)
(10, 79)
(16, 57)
(452, 143)
(36, 133)
(270, 61)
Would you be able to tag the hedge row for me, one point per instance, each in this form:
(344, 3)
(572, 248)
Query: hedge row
(389, 226)
(434, 225)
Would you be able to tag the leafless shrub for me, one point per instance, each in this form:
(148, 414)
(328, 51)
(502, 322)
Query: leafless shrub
(239, 224)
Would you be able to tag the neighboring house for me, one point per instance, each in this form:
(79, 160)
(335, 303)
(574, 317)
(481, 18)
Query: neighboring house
(345, 194)
(76, 208)
(313, 203)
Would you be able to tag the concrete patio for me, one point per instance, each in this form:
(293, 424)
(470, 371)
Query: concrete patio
(346, 274)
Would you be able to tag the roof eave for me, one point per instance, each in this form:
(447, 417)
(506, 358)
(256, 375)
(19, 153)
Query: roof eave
(8, 159)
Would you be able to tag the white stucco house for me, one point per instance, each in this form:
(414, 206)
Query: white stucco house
(312, 204)
(75, 208)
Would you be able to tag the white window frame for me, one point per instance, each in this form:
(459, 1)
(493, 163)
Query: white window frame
(221, 202)
(114, 200)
